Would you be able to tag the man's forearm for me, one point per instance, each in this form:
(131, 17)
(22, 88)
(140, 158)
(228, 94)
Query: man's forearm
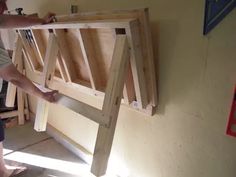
(11, 74)
(15, 21)
(25, 84)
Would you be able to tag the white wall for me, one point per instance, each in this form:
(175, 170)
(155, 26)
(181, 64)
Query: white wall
(186, 138)
(41, 6)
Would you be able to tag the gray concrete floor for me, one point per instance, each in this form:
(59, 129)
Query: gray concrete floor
(42, 155)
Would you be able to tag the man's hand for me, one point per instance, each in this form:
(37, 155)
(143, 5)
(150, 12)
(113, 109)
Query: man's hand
(49, 18)
(50, 96)
(11, 74)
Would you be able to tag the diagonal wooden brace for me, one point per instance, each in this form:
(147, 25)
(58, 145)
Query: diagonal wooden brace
(111, 105)
(48, 72)
(16, 58)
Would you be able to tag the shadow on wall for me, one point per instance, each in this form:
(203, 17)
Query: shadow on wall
(163, 53)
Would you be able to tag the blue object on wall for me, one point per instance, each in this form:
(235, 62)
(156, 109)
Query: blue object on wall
(215, 11)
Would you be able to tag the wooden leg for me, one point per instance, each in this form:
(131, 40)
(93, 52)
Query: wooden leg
(128, 92)
(20, 104)
(111, 105)
(48, 72)
(133, 34)
(11, 89)
(41, 115)
(27, 117)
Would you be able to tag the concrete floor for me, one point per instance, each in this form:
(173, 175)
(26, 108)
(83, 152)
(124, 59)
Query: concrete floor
(42, 155)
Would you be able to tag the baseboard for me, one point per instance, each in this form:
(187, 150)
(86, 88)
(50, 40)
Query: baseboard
(68, 143)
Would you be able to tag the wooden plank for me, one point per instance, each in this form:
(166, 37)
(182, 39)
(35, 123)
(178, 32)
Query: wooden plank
(50, 59)
(27, 117)
(65, 59)
(104, 42)
(133, 34)
(147, 47)
(28, 50)
(71, 90)
(129, 92)
(48, 71)
(20, 99)
(89, 58)
(84, 109)
(116, 23)
(17, 56)
(41, 115)
(60, 66)
(28, 61)
(20, 105)
(9, 114)
(111, 105)
(25, 98)
(79, 107)
(39, 44)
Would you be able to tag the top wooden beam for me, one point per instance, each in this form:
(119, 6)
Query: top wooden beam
(84, 24)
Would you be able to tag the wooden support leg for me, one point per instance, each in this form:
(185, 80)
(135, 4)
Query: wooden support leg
(41, 115)
(20, 97)
(133, 34)
(128, 92)
(48, 72)
(25, 98)
(27, 117)
(111, 105)
(20, 104)
(11, 89)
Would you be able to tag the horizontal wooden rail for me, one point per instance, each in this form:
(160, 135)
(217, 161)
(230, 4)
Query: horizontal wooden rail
(84, 24)
(84, 109)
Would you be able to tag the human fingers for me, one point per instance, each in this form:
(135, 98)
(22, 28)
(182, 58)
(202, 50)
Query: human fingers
(51, 96)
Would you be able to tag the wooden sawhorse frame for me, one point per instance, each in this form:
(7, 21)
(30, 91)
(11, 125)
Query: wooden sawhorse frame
(48, 64)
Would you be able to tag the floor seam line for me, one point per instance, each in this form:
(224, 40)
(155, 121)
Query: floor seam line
(27, 146)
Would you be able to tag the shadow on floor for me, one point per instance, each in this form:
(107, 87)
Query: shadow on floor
(42, 155)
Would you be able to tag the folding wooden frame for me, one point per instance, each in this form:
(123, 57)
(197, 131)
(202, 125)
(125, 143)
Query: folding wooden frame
(131, 73)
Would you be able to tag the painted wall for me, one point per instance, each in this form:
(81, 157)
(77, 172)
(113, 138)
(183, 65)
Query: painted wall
(196, 78)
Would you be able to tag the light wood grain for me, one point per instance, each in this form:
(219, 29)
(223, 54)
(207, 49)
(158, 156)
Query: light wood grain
(17, 56)
(111, 105)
